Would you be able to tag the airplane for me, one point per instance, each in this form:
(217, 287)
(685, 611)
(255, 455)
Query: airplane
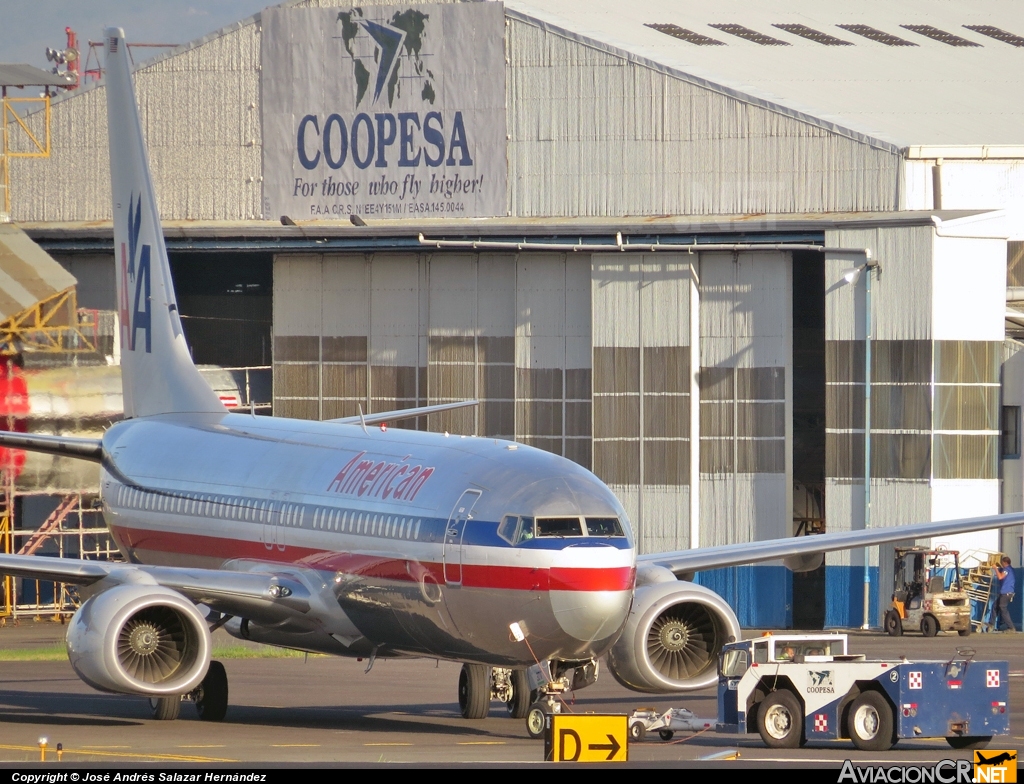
(345, 538)
(998, 759)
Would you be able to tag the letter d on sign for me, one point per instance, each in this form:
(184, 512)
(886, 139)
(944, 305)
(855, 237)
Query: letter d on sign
(576, 746)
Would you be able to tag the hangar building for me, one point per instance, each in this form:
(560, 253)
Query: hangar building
(638, 234)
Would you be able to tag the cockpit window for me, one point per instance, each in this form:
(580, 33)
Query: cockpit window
(604, 526)
(507, 528)
(559, 526)
(525, 532)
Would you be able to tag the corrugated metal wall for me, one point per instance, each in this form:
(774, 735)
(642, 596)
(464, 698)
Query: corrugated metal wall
(936, 351)
(642, 390)
(389, 331)
(901, 406)
(642, 393)
(746, 358)
(590, 134)
(200, 114)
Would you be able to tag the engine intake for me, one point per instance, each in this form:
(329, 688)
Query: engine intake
(139, 639)
(672, 638)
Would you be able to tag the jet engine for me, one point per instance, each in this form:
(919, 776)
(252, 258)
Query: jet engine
(672, 638)
(139, 639)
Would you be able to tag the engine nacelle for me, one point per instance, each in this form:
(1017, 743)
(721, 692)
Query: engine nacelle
(139, 639)
(672, 638)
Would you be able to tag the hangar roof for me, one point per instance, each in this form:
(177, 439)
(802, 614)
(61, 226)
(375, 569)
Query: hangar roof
(897, 74)
(923, 78)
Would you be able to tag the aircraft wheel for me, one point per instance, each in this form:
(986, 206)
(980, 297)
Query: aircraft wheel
(893, 624)
(212, 697)
(536, 720)
(780, 722)
(521, 698)
(969, 741)
(637, 732)
(929, 626)
(474, 691)
(165, 708)
(870, 722)
(665, 734)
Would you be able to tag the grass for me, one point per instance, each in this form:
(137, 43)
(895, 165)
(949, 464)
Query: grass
(58, 652)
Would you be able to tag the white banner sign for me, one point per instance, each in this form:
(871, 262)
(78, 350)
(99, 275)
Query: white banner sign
(384, 111)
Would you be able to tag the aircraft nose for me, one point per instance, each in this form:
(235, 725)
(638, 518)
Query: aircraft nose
(590, 616)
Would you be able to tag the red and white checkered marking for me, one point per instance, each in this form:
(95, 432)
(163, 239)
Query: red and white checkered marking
(821, 722)
(914, 680)
(991, 678)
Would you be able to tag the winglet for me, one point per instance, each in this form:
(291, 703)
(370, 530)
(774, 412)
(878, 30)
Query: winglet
(157, 372)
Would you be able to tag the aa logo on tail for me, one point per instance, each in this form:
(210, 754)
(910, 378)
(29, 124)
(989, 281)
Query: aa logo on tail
(135, 277)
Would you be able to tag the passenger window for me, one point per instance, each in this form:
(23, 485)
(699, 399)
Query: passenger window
(559, 526)
(604, 526)
(760, 653)
(507, 528)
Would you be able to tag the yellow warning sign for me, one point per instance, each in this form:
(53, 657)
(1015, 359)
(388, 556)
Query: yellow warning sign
(587, 737)
(995, 765)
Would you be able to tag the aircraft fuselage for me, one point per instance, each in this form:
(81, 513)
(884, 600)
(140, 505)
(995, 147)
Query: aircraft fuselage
(416, 543)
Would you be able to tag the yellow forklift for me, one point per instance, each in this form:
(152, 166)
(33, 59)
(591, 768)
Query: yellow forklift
(920, 599)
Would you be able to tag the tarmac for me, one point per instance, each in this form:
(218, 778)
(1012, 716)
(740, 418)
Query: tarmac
(321, 710)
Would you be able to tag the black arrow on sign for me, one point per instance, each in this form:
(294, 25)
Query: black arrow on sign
(612, 748)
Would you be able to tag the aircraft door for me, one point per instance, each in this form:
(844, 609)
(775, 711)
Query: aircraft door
(281, 512)
(269, 530)
(453, 533)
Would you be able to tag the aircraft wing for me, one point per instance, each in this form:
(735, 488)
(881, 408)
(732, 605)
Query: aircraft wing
(804, 551)
(252, 594)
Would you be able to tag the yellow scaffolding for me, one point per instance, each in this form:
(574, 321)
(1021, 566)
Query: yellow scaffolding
(6, 546)
(35, 148)
(52, 324)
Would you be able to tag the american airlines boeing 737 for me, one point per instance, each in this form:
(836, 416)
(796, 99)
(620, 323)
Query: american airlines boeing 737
(346, 539)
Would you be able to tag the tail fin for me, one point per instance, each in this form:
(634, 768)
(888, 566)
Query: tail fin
(156, 370)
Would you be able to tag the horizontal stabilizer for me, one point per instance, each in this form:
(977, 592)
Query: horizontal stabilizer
(69, 446)
(403, 413)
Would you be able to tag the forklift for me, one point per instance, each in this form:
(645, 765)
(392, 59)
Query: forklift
(920, 599)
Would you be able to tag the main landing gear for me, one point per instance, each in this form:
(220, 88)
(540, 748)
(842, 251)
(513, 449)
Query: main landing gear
(479, 685)
(210, 698)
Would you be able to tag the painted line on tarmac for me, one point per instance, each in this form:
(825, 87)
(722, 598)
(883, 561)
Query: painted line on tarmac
(387, 744)
(294, 745)
(124, 755)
